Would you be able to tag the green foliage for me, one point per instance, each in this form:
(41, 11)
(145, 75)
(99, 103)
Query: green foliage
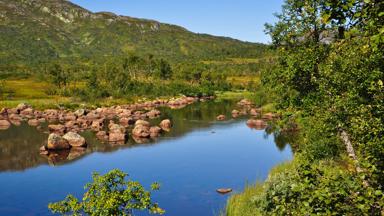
(109, 194)
(329, 77)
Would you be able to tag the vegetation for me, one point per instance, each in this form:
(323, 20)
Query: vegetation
(328, 79)
(109, 194)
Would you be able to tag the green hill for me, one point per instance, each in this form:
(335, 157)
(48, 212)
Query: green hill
(34, 31)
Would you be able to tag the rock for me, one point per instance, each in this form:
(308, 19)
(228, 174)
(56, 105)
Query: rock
(15, 117)
(57, 129)
(22, 106)
(140, 140)
(27, 112)
(257, 124)
(254, 112)
(220, 118)
(43, 150)
(154, 131)
(102, 135)
(80, 112)
(235, 113)
(244, 102)
(4, 124)
(70, 117)
(268, 116)
(224, 190)
(115, 128)
(33, 122)
(97, 125)
(166, 125)
(126, 121)
(153, 114)
(13, 111)
(141, 131)
(56, 142)
(143, 123)
(74, 139)
(116, 137)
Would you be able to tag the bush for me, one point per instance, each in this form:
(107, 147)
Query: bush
(109, 194)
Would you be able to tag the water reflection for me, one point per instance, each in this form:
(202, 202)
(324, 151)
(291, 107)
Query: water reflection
(20, 144)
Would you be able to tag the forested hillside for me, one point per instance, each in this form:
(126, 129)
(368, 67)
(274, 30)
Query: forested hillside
(34, 31)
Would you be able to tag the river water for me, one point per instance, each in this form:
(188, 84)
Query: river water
(197, 157)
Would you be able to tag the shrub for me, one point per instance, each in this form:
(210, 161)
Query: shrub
(109, 194)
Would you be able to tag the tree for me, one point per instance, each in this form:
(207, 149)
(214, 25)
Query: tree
(164, 70)
(60, 76)
(109, 194)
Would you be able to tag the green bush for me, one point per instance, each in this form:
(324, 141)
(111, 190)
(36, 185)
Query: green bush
(109, 194)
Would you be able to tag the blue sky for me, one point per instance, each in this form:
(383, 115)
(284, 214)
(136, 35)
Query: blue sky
(240, 19)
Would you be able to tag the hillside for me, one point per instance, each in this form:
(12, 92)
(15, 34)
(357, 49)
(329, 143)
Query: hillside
(39, 30)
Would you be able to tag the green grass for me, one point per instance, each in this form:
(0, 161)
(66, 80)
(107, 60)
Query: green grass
(242, 204)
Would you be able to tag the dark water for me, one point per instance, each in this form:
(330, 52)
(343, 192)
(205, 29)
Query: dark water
(198, 156)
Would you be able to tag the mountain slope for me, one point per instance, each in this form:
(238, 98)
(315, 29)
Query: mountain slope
(40, 30)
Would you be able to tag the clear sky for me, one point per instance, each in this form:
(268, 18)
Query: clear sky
(240, 19)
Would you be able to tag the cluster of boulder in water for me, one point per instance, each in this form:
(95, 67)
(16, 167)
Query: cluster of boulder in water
(246, 107)
(110, 124)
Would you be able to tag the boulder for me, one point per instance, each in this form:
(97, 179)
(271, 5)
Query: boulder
(115, 128)
(224, 190)
(97, 125)
(141, 131)
(220, 117)
(116, 137)
(268, 116)
(153, 113)
(33, 122)
(4, 124)
(244, 102)
(74, 139)
(102, 135)
(126, 121)
(254, 112)
(27, 112)
(235, 113)
(70, 117)
(166, 125)
(143, 123)
(15, 117)
(80, 112)
(154, 131)
(23, 106)
(57, 129)
(43, 150)
(56, 142)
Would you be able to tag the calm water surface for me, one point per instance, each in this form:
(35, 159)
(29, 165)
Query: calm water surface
(198, 156)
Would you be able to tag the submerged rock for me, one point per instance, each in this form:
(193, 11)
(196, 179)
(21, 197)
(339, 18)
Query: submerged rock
(220, 118)
(166, 125)
(57, 129)
(74, 139)
(56, 142)
(141, 131)
(224, 190)
(155, 131)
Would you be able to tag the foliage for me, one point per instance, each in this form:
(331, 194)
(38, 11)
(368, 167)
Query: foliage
(109, 194)
(328, 77)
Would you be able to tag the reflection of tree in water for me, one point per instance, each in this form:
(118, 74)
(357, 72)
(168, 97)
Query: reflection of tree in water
(282, 139)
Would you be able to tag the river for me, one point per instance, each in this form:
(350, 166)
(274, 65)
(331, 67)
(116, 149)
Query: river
(197, 157)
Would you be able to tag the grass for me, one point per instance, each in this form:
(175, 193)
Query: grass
(243, 204)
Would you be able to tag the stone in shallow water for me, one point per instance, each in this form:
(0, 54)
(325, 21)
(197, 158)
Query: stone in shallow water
(56, 142)
(224, 190)
(166, 125)
(74, 139)
(220, 117)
